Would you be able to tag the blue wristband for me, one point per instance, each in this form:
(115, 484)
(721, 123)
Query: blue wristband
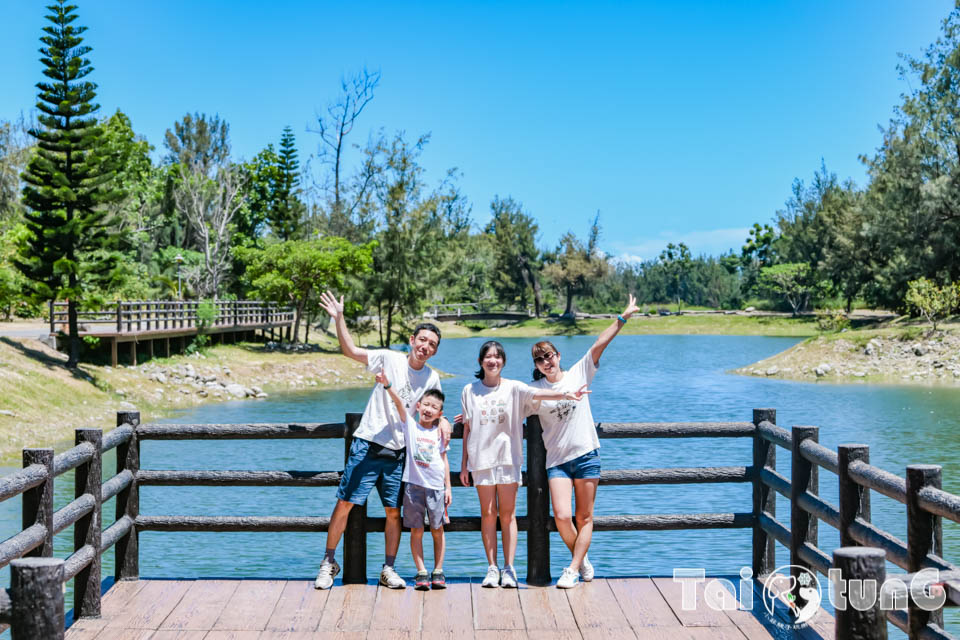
(622, 319)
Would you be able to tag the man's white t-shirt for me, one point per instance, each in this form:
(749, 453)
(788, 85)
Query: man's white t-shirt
(495, 415)
(424, 466)
(568, 427)
(381, 423)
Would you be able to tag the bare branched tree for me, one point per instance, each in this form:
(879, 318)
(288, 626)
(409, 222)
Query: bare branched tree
(210, 205)
(356, 92)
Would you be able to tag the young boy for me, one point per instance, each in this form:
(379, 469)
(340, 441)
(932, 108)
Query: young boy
(427, 477)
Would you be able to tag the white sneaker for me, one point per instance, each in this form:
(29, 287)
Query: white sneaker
(390, 578)
(326, 574)
(492, 578)
(568, 579)
(508, 578)
(586, 570)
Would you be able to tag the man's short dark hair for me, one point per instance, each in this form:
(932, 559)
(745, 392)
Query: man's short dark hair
(433, 393)
(427, 326)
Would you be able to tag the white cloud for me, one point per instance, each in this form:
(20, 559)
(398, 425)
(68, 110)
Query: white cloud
(710, 242)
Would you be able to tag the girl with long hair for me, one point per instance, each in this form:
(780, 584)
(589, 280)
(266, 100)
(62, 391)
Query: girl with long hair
(493, 412)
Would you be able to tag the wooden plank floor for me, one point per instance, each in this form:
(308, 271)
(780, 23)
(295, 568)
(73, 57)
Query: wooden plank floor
(607, 609)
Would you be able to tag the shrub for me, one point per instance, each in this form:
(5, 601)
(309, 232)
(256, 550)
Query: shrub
(832, 320)
(931, 301)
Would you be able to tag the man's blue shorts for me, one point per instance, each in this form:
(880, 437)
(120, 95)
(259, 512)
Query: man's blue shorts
(580, 468)
(365, 469)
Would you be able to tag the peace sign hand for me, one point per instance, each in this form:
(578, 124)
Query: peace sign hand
(632, 307)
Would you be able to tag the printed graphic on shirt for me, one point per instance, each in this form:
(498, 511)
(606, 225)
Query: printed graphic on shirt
(563, 409)
(426, 452)
(406, 394)
(493, 410)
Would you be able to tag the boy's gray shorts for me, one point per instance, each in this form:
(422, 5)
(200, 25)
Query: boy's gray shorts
(421, 503)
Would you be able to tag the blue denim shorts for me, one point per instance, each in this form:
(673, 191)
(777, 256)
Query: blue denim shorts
(585, 466)
(365, 470)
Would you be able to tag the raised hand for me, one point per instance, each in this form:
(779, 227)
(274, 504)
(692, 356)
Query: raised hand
(330, 304)
(579, 393)
(382, 378)
(632, 307)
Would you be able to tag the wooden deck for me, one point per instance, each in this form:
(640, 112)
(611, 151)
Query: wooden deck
(611, 609)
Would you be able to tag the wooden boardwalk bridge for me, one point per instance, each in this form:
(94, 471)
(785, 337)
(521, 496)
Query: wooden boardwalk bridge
(609, 607)
(145, 322)
(476, 311)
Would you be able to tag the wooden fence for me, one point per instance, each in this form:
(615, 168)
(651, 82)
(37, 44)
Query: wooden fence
(161, 315)
(34, 604)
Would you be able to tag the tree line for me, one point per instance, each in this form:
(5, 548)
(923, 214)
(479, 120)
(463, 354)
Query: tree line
(88, 214)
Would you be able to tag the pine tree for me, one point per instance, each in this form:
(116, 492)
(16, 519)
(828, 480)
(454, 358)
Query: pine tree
(287, 210)
(68, 178)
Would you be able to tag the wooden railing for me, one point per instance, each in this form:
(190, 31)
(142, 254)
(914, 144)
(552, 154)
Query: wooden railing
(34, 605)
(38, 579)
(159, 315)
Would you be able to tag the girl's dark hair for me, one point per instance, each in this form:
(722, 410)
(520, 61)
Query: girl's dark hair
(486, 346)
(541, 348)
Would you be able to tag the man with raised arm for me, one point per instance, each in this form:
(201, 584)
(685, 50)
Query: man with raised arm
(377, 452)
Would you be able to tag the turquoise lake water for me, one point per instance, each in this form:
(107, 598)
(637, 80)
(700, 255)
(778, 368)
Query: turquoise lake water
(641, 378)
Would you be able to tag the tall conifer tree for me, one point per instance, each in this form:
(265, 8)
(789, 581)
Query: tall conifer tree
(287, 210)
(68, 178)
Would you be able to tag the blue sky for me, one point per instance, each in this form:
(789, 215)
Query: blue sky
(677, 121)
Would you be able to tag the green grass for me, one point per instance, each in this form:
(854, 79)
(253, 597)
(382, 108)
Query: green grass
(668, 325)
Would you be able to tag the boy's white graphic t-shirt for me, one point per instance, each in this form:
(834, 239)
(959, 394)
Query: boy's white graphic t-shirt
(568, 427)
(495, 415)
(424, 466)
(381, 423)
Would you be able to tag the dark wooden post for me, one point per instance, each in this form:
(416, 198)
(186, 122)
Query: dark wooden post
(861, 563)
(355, 535)
(128, 500)
(87, 530)
(119, 317)
(854, 499)
(538, 506)
(804, 477)
(764, 498)
(133, 352)
(924, 535)
(36, 594)
(37, 503)
(51, 318)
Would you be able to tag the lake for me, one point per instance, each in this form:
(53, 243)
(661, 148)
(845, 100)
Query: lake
(641, 378)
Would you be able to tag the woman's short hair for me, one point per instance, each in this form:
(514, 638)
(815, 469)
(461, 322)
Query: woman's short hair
(486, 346)
(542, 348)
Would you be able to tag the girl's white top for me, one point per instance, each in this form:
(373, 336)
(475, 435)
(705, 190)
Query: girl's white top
(568, 427)
(495, 416)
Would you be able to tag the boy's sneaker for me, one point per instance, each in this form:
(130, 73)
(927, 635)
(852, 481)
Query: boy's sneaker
(390, 578)
(568, 579)
(492, 578)
(586, 570)
(326, 574)
(508, 578)
(422, 581)
(439, 580)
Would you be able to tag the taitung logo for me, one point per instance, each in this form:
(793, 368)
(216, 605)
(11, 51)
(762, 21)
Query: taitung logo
(785, 587)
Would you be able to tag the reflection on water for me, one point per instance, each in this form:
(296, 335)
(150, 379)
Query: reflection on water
(641, 378)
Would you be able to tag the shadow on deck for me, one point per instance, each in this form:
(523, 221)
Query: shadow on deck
(611, 609)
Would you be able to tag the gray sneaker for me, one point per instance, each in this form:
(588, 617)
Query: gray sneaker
(586, 570)
(508, 578)
(492, 579)
(390, 578)
(328, 570)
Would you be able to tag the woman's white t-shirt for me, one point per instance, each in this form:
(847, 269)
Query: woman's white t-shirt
(381, 423)
(495, 416)
(568, 427)
(424, 466)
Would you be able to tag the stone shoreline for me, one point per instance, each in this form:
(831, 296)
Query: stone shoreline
(876, 356)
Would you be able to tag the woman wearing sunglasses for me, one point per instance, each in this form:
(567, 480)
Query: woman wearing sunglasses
(570, 437)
